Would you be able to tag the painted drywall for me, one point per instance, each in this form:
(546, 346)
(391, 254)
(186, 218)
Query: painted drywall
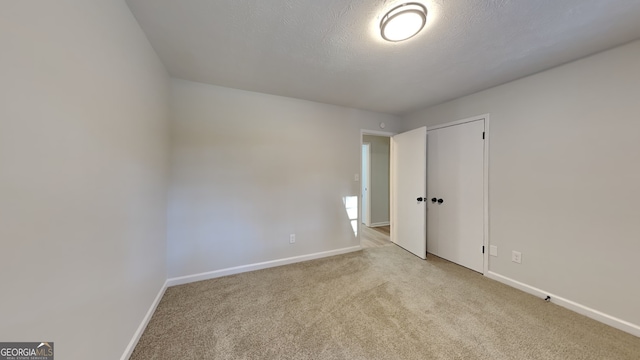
(379, 178)
(84, 165)
(563, 178)
(249, 169)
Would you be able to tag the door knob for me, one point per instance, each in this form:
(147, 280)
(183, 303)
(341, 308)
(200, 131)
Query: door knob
(419, 199)
(433, 200)
(440, 201)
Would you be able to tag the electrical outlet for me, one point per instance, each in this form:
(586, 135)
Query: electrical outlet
(516, 257)
(493, 250)
(292, 238)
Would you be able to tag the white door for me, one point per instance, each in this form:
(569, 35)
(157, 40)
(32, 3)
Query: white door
(408, 188)
(456, 182)
(366, 184)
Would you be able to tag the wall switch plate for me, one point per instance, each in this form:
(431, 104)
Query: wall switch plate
(493, 250)
(356, 177)
(516, 257)
(292, 238)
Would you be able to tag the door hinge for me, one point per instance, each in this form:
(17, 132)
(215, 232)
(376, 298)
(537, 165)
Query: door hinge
(483, 249)
(483, 135)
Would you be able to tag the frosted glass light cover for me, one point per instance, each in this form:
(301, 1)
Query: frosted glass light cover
(403, 22)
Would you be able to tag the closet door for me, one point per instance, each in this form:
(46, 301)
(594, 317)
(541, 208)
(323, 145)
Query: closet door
(456, 181)
(408, 178)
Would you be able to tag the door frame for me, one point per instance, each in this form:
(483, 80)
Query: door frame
(364, 132)
(365, 181)
(486, 234)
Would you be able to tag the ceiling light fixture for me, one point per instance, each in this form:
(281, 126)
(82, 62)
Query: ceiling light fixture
(403, 22)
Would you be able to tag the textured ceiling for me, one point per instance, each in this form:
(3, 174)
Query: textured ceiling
(330, 51)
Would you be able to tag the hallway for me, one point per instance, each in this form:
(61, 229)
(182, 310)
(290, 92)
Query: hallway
(375, 236)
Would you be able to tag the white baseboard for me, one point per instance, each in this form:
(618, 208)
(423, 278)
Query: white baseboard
(384, 223)
(145, 321)
(257, 266)
(612, 321)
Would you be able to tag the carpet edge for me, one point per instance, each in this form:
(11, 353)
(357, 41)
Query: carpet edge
(594, 314)
(143, 325)
(258, 266)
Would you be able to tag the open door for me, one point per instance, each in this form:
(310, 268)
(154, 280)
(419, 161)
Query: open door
(408, 189)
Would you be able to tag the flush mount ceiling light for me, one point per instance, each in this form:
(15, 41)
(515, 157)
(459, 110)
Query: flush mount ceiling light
(403, 22)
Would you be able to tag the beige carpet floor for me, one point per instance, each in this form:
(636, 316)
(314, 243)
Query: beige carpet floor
(379, 303)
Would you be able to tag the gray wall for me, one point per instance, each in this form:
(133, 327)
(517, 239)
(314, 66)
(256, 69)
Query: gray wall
(248, 169)
(83, 159)
(563, 178)
(379, 191)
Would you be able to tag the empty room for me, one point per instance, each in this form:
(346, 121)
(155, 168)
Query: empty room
(236, 179)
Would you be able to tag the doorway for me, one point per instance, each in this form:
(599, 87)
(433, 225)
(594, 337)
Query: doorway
(365, 181)
(374, 183)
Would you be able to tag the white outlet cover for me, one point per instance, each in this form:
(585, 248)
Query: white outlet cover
(493, 250)
(516, 257)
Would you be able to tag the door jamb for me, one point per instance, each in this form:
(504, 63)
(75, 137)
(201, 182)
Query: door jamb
(366, 219)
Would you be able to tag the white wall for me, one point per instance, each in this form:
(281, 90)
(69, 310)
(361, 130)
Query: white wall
(564, 178)
(83, 169)
(248, 169)
(379, 187)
